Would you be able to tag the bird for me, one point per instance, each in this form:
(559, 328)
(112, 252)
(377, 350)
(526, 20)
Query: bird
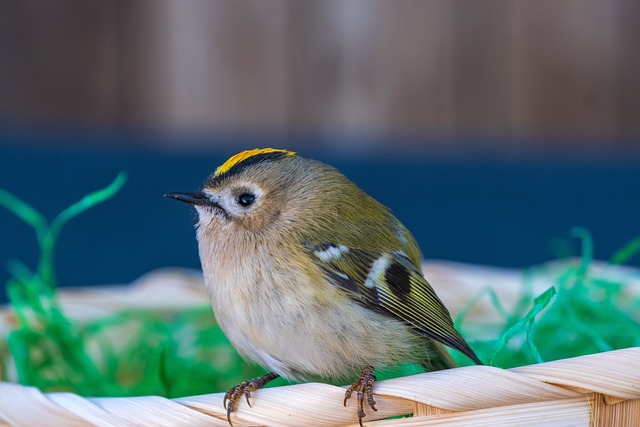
(309, 276)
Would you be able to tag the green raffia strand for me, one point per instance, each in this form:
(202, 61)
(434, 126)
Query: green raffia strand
(174, 354)
(524, 325)
(45, 268)
(580, 313)
(44, 342)
(627, 252)
(47, 234)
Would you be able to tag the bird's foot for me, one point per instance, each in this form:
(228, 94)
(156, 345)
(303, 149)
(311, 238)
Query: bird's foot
(246, 388)
(363, 386)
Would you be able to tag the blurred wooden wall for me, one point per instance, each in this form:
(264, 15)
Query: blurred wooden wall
(497, 68)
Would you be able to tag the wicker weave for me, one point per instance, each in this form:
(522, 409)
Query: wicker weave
(596, 390)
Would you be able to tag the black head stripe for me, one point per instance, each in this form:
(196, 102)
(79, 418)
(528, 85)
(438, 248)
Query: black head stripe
(249, 161)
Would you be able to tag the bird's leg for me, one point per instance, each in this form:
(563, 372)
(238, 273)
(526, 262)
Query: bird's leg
(246, 388)
(363, 385)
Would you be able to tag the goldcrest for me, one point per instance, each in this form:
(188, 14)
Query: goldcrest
(310, 276)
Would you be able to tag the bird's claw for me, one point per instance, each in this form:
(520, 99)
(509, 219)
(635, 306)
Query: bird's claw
(245, 388)
(363, 386)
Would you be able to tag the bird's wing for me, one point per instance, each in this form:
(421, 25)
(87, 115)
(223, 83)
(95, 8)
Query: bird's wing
(389, 283)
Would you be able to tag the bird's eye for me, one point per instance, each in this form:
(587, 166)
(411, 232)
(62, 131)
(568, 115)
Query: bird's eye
(246, 199)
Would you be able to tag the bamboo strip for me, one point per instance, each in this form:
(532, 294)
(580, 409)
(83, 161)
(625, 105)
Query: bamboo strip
(559, 413)
(154, 411)
(87, 410)
(614, 373)
(460, 389)
(542, 395)
(624, 413)
(309, 404)
(27, 406)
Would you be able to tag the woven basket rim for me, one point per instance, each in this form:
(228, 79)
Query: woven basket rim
(561, 385)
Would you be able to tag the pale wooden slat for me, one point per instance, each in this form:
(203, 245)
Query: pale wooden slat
(560, 413)
(150, 411)
(28, 407)
(309, 404)
(614, 373)
(92, 413)
(462, 389)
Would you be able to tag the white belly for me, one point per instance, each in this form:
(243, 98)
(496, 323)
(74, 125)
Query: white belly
(283, 326)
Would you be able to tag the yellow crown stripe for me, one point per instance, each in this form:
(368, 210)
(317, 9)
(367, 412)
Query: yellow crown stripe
(244, 155)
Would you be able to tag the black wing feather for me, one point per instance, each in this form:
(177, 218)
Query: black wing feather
(398, 290)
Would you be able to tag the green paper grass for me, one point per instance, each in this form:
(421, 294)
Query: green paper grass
(175, 354)
(581, 312)
(44, 335)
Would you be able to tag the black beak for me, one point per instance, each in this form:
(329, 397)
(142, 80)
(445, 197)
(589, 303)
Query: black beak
(197, 199)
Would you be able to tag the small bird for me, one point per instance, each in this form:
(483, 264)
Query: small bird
(310, 276)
